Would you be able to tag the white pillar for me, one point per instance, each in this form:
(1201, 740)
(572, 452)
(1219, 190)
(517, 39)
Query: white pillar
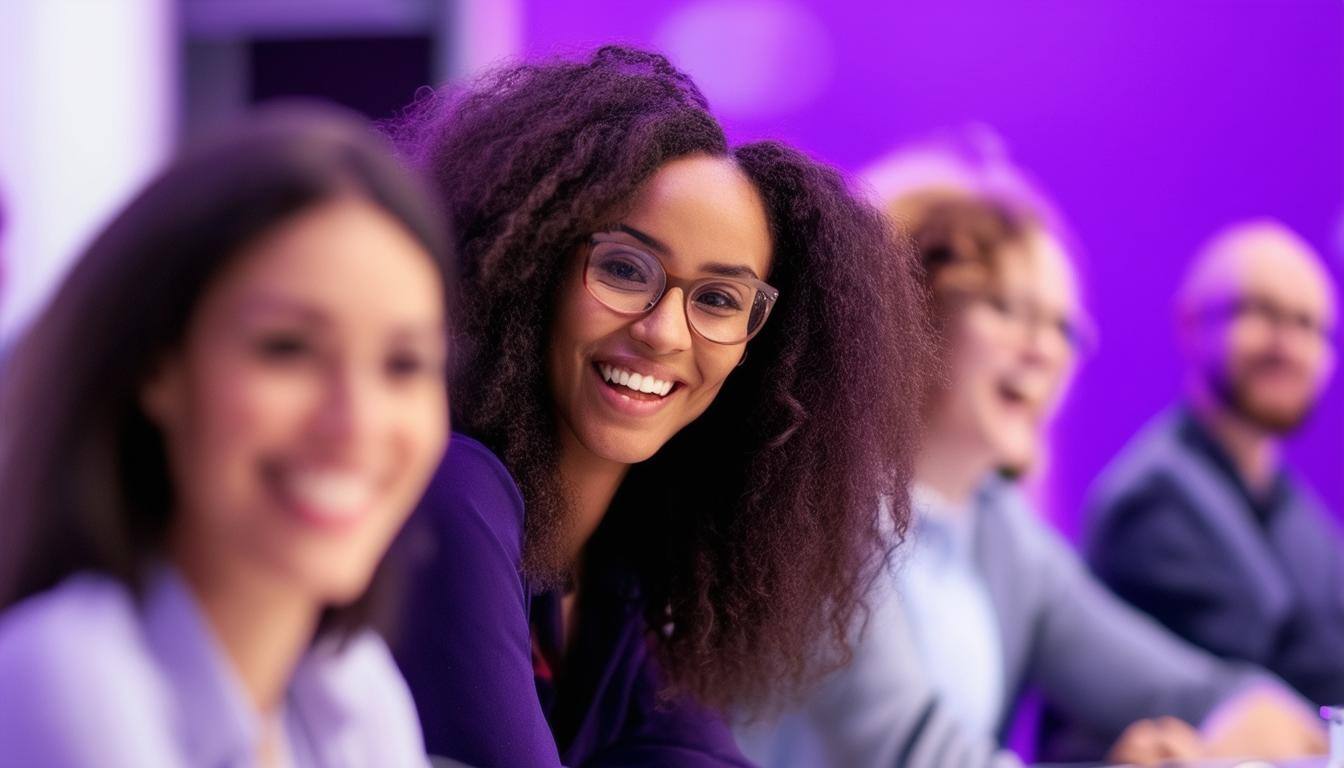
(88, 103)
(479, 34)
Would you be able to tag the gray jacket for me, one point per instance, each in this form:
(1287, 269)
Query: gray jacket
(1091, 655)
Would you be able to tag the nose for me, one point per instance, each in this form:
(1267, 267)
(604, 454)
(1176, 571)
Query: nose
(665, 329)
(1045, 345)
(349, 413)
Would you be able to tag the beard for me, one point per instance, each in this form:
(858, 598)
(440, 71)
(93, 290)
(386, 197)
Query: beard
(1236, 391)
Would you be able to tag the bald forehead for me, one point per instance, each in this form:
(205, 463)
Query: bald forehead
(1263, 259)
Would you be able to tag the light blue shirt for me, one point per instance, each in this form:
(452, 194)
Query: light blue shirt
(1053, 626)
(950, 614)
(91, 677)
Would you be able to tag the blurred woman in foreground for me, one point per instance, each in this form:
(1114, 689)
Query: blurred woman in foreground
(211, 437)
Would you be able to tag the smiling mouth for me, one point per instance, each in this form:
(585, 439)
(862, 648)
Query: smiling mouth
(329, 498)
(1012, 396)
(634, 385)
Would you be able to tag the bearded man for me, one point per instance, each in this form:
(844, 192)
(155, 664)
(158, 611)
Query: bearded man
(1199, 522)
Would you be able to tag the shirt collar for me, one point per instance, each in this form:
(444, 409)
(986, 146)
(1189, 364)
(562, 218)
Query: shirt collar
(1197, 438)
(218, 723)
(942, 525)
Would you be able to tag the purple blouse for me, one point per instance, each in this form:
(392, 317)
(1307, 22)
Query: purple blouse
(471, 626)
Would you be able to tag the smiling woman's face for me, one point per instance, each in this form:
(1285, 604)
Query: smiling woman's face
(700, 216)
(1006, 370)
(306, 409)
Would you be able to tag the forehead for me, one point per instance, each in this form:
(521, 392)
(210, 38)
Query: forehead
(1038, 266)
(1280, 271)
(704, 209)
(345, 255)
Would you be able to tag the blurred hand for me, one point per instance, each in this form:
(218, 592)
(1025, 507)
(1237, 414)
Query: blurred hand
(1149, 742)
(1264, 722)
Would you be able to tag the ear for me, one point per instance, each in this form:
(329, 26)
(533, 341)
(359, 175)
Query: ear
(162, 394)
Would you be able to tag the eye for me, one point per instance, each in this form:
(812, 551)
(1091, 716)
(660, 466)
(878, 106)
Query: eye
(283, 346)
(1001, 304)
(622, 271)
(411, 363)
(719, 299)
(404, 365)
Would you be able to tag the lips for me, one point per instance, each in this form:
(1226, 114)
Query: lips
(625, 400)
(329, 498)
(647, 384)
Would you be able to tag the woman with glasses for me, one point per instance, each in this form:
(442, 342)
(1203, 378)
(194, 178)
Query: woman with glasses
(987, 600)
(210, 438)
(689, 382)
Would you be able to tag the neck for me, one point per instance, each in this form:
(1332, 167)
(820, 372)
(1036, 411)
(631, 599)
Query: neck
(952, 470)
(592, 482)
(264, 627)
(1254, 452)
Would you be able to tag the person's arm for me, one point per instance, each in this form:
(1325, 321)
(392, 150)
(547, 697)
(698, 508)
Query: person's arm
(464, 643)
(1107, 665)
(661, 731)
(882, 710)
(1151, 550)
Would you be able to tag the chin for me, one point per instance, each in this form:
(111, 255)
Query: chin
(623, 446)
(340, 591)
(1017, 457)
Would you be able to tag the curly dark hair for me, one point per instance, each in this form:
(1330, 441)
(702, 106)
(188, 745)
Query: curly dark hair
(797, 471)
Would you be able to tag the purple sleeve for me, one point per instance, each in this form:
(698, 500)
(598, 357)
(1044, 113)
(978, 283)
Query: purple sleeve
(661, 731)
(464, 643)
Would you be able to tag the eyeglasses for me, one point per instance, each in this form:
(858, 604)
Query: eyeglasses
(1077, 333)
(722, 309)
(1270, 314)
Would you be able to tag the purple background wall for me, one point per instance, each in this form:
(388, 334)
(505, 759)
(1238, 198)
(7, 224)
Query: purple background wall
(1151, 124)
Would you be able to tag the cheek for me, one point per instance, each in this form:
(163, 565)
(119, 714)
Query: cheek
(579, 323)
(714, 363)
(1238, 343)
(238, 413)
(422, 431)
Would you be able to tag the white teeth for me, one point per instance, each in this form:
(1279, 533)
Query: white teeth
(635, 381)
(330, 494)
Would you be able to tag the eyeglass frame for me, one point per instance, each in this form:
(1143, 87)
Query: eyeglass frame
(1273, 314)
(769, 292)
(1081, 335)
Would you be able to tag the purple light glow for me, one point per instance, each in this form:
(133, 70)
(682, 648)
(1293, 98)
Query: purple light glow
(1150, 124)
(754, 59)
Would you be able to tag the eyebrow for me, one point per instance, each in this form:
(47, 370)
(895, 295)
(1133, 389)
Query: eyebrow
(313, 316)
(275, 305)
(714, 268)
(645, 238)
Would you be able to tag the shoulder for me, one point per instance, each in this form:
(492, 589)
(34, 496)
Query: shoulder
(1143, 467)
(74, 665)
(472, 502)
(70, 631)
(356, 683)
(1004, 508)
(1024, 542)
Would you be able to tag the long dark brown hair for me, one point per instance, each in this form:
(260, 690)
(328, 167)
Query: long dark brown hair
(83, 471)
(756, 530)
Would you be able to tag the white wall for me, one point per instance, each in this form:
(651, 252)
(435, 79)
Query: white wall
(87, 106)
